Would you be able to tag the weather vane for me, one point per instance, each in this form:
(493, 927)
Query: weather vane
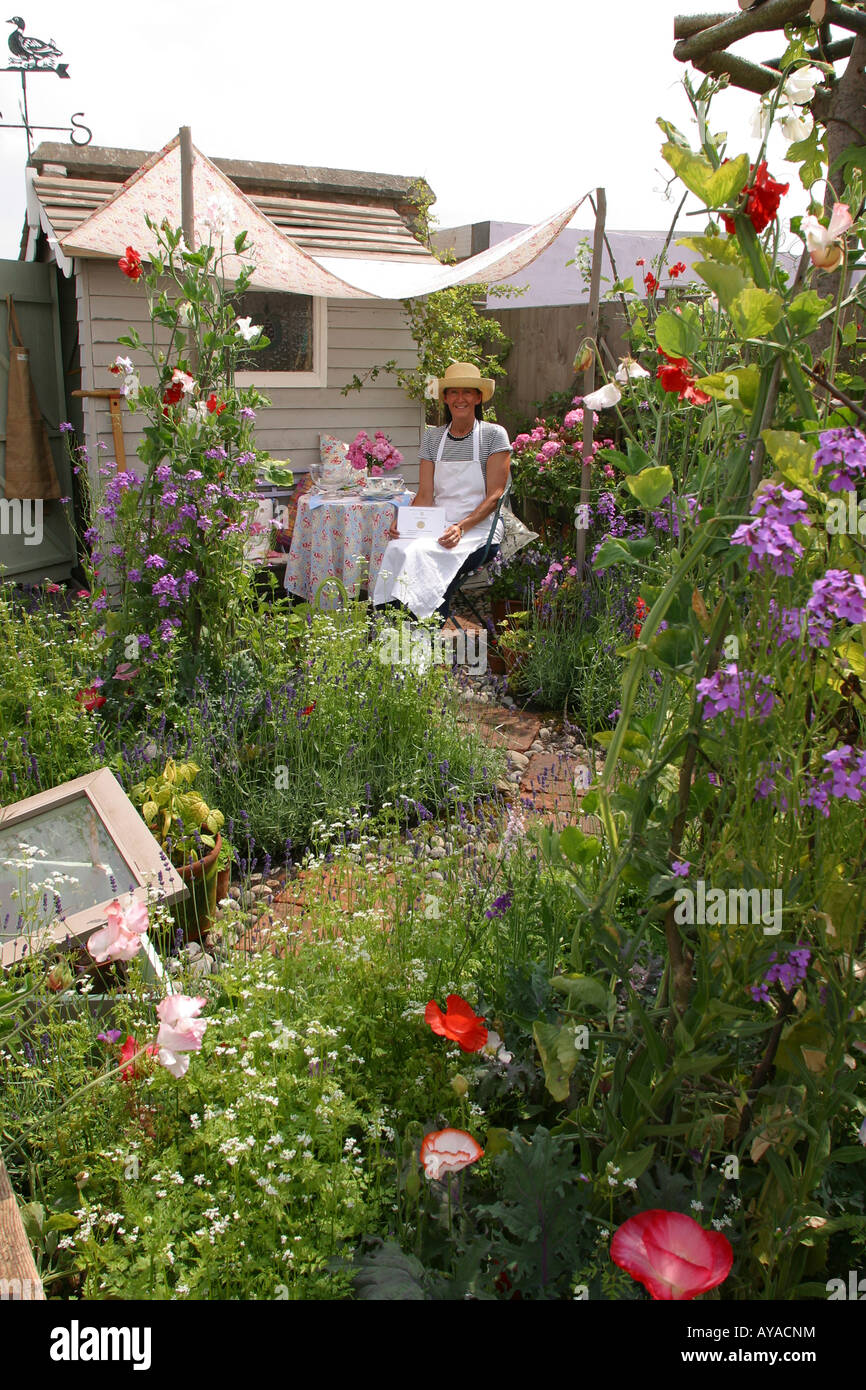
(29, 54)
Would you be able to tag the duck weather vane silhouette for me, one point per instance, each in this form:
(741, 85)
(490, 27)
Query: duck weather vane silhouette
(28, 54)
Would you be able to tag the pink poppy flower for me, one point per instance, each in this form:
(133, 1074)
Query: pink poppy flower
(448, 1151)
(181, 1030)
(122, 937)
(671, 1255)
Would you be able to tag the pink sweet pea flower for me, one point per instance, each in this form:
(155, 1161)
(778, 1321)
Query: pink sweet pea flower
(823, 242)
(123, 936)
(181, 1030)
(448, 1151)
(671, 1255)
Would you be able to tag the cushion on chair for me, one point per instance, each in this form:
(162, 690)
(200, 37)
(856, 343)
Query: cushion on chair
(283, 538)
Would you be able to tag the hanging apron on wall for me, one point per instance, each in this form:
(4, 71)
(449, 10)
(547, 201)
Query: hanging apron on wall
(30, 471)
(417, 572)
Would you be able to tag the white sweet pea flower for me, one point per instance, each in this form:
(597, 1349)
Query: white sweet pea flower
(217, 215)
(124, 364)
(795, 123)
(197, 414)
(800, 86)
(185, 313)
(603, 398)
(760, 121)
(186, 381)
(247, 329)
(131, 386)
(823, 243)
(629, 370)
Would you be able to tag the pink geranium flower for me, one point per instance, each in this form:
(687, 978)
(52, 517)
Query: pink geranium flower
(671, 1255)
(122, 937)
(448, 1151)
(181, 1030)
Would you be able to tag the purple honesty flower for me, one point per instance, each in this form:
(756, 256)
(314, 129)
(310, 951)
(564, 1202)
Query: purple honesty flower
(844, 452)
(247, 413)
(740, 692)
(165, 589)
(838, 594)
(154, 562)
(681, 867)
(217, 454)
(788, 973)
(162, 473)
(133, 575)
(111, 1036)
(769, 537)
(65, 427)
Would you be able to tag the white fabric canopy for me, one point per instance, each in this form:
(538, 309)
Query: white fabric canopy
(405, 280)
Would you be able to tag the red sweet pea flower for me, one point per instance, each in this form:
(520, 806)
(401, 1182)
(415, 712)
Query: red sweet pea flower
(640, 612)
(215, 406)
(130, 264)
(173, 393)
(651, 282)
(640, 261)
(309, 710)
(762, 200)
(673, 373)
(458, 1023)
(90, 698)
(671, 1255)
(677, 269)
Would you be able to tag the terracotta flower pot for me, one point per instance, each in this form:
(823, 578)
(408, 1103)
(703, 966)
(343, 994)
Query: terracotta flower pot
(195, 915)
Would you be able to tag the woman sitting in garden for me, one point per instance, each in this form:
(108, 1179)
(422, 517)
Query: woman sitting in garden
(464, 466)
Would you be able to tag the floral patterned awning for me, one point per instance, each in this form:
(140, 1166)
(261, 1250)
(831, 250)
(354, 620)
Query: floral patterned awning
(155, 190)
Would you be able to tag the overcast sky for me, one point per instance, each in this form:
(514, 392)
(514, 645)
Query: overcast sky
(509, 110)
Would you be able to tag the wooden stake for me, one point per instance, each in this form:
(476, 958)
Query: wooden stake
(187, 200)
(687, 24)
(113, 396)
(591, 331)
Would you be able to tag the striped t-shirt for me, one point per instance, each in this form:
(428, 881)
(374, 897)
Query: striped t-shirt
(494, 440)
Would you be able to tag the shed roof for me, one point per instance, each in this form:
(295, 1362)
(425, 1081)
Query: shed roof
(333, 212)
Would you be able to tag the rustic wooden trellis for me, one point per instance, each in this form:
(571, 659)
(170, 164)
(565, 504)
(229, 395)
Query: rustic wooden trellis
(704, 41)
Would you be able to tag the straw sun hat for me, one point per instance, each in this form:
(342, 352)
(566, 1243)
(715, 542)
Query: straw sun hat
(467, 375)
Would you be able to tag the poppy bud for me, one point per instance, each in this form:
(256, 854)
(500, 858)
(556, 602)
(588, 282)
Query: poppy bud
(413, 1183)
(460, 1085)
(59, 977)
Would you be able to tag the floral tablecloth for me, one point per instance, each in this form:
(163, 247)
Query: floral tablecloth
(343, 536)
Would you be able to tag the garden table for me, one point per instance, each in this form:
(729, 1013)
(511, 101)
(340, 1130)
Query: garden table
(342, 537)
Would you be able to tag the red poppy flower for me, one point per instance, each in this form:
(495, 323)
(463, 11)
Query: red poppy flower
(128, 1051)
(671, 1255)
(674, 375)
(215, 406)
(448, 1151)
(677, 269)
(762, 200)
(651, 282)
(130, 264)
(308, 710)
(458, 1023)
(90, 698)
(173, 393)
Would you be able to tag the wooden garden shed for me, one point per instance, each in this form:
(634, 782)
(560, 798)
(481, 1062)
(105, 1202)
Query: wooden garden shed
(319, 343)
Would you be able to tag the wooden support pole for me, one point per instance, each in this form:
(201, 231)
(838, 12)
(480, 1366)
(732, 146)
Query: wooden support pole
(751, 77)
(771, 15)
(592, 315)
(113, 396)
(187, 200)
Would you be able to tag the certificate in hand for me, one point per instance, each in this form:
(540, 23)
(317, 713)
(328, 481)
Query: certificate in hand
(413, 522)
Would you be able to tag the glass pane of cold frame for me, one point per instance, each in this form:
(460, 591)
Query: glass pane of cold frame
(65, 850)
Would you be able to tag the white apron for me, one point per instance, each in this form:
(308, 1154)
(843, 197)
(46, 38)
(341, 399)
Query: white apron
(418, 571)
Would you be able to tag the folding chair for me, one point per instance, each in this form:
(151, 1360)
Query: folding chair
(463, 592)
